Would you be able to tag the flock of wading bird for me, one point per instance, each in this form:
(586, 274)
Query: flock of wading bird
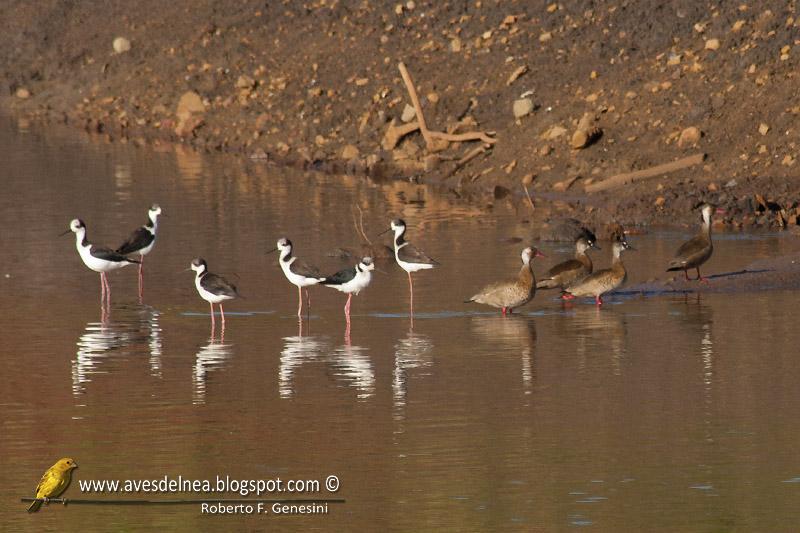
(575, 277)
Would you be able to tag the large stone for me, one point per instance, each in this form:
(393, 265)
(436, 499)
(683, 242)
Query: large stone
(689, 137)
(190, 102)
(409, 113)
(349, 152)
(121, 45)
(189, 111)
(522, 107)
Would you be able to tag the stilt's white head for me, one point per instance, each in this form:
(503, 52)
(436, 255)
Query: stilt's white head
(199, 265)
(154, 211)
(398, 225)
(77, 226)
(284, 246)
(367, 264)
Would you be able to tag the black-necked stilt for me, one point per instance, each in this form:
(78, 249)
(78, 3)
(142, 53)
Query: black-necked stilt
(98, 258)
(351, 281)
(408, 256)
(142, 240)
(213, 289)
(296, 271)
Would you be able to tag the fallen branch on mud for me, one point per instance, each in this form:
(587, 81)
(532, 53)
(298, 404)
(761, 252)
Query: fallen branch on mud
(431, 136)
(629, 177)
(469, 156)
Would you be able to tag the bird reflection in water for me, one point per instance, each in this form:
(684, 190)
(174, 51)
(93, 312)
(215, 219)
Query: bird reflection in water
(412, 353)
(297, 350)
(137, 327)
(598, 331)
(209, 358)
(514, 332)
(353, 364)
(350, 363)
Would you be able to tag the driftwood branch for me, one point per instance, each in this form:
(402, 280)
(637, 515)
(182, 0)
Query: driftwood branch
(630, 177)
(412, 92)
(468, 136)
(431, 136)
(469, 156)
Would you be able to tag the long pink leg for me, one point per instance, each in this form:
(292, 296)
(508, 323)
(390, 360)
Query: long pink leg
(308, 302)
(598, 300)
(347, 308)
(701, 278)
(411, 292)
(686, 273)
(222, 312)
(300, 301)
(213, 322)
(141, 278)
(108, 289)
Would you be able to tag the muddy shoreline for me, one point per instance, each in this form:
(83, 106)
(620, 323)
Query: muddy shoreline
(571, 96)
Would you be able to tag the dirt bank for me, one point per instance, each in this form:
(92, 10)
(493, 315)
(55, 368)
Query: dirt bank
(317, 84)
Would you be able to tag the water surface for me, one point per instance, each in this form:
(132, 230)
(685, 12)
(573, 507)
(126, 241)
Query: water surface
(671, 413)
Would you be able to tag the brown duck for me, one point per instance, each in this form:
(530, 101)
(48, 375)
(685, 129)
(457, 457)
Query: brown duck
(569, 272)
(603, 281)
(508, 295)
(696, 250)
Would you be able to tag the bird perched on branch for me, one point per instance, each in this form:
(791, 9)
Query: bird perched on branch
(54, 482)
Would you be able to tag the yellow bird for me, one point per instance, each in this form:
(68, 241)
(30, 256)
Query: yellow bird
(54, 482)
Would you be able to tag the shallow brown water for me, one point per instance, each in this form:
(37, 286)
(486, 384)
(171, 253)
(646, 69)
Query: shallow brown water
(670, 413)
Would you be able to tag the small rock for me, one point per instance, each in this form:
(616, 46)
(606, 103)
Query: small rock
(409, 113)
(555, 132)
(23, 93)
(522, 107)
(121, 45)
(689, 137)
(455, 45)
(190, 102)
(738, 25)
(545, 150)
(659, 201)
(546, 36)
(349, 152)
(712, 187)
(259, 155)
(712, 44)
(763, 129)
(245, 82)
(674, 59)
